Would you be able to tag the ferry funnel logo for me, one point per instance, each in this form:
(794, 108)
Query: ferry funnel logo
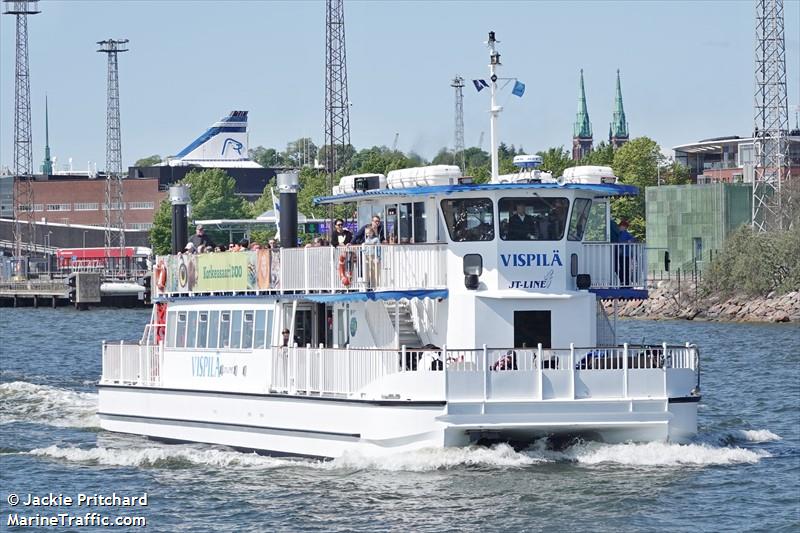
(233, 143)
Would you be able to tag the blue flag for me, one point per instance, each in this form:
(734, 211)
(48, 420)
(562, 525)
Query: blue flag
(519, 89)
(480, 84)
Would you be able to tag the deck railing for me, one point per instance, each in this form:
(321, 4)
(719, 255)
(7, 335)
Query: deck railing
(615, 265)
(470, 375)
(379, 267)
(132, 364)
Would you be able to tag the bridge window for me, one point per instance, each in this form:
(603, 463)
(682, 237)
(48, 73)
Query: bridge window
(577, 222)
(533, 219)
(469, 219)
(597, 229)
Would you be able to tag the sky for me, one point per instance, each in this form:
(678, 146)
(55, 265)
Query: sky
(686, 69)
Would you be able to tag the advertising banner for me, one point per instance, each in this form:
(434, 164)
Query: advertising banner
(217, 272)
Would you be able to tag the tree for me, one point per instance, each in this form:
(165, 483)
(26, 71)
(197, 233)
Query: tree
(601, 155)
(556, 160)
(301, 152)
(148, 161)
(635, 163)
(212, 194)
(267, 157)
(444, 157)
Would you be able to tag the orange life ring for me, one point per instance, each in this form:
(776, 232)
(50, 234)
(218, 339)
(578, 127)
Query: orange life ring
(161, 276)
(343, 271)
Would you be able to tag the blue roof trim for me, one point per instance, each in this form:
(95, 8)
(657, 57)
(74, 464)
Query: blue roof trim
(603, 189)
(621, 294)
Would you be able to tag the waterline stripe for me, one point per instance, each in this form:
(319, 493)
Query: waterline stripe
(229, 424)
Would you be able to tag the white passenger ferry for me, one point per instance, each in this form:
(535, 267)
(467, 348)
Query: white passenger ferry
(482, 323)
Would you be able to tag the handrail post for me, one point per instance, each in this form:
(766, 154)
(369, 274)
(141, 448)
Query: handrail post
(664, 365)
(349, 369)
(485, 380)
(120, 362)
(625, 370)
(539, 376)
(572, 370)
(308, 369)
(403, 358)
(305, 269)
(321, 368)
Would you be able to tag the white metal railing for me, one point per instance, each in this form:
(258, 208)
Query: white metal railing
(615, 265)
(342, 372)
(132, 364)
(379, 267)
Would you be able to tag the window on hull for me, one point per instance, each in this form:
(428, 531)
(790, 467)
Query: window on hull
(215, 330)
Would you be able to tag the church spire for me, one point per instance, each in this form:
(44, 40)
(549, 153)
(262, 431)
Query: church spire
(47, 164)
(582, 129)
(618, 130)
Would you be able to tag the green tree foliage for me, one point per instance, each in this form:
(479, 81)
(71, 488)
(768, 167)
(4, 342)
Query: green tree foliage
(148, 161)
(755, 264)
(446, 157)
(601, 155)
(212, 194)
(301, 152)
(266, 157)
(636, 163)
(556, 160)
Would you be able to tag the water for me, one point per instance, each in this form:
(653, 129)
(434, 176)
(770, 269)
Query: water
(741, 473)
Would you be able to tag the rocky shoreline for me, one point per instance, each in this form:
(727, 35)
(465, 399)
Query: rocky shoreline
(671, 300)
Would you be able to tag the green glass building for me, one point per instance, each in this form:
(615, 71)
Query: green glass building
(692, 222)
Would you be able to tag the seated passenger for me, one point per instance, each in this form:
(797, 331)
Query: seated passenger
(507, 362)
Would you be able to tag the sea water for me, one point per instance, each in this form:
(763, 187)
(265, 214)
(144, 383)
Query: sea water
(741, 473)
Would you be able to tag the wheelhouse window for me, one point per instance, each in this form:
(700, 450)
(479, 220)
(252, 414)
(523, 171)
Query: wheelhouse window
(469, 219)
(533, 219)
(577, 222)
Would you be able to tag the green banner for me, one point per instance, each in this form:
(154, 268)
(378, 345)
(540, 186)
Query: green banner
(217, 272)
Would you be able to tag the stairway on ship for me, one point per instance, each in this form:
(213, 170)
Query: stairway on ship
(407, 335)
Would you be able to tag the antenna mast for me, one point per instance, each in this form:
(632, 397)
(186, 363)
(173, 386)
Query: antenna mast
(114, 208)
(771, 117)
(23, 144)
(458, 85)
(494, 109)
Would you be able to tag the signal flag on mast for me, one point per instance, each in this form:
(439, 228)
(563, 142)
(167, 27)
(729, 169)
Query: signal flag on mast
(519, 89)
(480, 84)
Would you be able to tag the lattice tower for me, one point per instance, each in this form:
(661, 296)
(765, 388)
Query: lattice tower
(337, 110)
(114, 198)
(23, 144)
(771, 117)
(458, 85)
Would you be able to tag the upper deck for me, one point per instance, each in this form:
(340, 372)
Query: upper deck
(521, 237)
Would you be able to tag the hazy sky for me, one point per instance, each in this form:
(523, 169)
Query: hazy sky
(687, 71)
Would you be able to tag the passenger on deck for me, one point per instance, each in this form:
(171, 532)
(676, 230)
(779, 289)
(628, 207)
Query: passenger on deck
(341, 235)
(372, 257)
(376, 225)
(622, 264)
(200, 238)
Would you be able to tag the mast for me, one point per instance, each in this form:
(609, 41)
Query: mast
(494, 110)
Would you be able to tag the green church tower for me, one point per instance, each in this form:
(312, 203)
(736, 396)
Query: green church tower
(618, 129)
(582, 130)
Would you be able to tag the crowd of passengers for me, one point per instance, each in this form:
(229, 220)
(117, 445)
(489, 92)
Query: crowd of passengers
(369, 234)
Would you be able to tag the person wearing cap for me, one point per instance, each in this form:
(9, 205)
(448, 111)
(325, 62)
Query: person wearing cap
(200, 238)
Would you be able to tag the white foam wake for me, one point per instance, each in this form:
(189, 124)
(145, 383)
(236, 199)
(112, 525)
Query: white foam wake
(501, 456)
(757, 435)
(26, 402)
(657, 454)
(161, 456)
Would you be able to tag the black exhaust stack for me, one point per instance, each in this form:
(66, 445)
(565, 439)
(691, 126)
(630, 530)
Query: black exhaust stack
(288, 185)
(179, 198)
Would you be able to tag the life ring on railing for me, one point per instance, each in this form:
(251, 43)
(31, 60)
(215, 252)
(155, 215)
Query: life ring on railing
(161, 276)
(343, 275)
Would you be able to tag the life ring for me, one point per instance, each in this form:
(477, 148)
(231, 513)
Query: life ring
(161, 276)
(343, 271)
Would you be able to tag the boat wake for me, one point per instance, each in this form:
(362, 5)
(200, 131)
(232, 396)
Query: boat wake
(500, 456)
(21, 401)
